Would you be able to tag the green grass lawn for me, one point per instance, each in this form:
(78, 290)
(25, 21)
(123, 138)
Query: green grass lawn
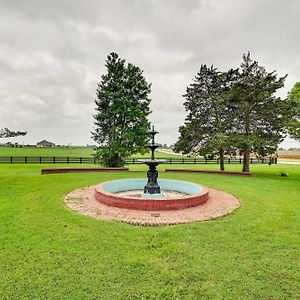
(83, 151)
(48, 251)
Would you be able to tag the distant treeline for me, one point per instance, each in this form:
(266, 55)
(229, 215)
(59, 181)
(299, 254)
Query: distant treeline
(17, 145)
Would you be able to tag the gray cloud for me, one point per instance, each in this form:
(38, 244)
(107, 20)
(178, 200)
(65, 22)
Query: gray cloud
(52, 55)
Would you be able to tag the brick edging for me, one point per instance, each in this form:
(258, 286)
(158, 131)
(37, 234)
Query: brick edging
(145, 204)
(210, 172)
(219, 204)
(80, 170)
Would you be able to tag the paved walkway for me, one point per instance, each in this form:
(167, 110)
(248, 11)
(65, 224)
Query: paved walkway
(218, 204)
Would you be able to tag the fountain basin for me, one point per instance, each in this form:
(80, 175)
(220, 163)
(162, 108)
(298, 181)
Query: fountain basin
(195, 195)
(148, 161)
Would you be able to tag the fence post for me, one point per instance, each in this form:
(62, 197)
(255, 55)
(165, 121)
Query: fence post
(80, 160)
(25, 159)
(11, 159)
(40, 159)
(251, 160)
(194, 160)
(133, 160)
(171, 160)
(54, 159)
(228, 160)
(67, 159)
(182, 160)
(240, 160)
(205, 160)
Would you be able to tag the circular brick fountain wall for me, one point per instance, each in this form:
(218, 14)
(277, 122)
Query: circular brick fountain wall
(195, 195)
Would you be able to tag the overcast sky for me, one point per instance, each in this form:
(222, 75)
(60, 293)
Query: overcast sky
(53, 53)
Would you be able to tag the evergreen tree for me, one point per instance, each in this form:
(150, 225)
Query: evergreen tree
(207, 126)
(260, 116)
(122, 108)
(236, 110)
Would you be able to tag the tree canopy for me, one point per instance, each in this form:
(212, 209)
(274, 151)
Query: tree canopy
(6, 133)
(207, 126)
(261, 116)
(294, 123)
(122, 108)
(234, 111)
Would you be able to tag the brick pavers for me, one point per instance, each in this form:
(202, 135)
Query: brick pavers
(218, 204)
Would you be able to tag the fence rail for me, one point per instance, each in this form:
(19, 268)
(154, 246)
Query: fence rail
(91, 160)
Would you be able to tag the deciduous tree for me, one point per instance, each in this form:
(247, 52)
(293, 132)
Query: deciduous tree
(294, 123)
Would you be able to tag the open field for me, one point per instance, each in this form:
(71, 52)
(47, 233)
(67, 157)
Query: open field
(74, 152)
(86, 152)
(8, 151)
(285, 154)
(49, 252)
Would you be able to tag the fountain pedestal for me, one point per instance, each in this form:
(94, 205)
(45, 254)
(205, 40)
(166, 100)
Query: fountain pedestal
(152, 186)
(152, 189)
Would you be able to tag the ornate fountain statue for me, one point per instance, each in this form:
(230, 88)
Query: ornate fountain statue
(152, 188)
(134, 194)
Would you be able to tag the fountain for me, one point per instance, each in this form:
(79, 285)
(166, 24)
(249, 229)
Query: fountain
(152, 189)
(134, 194)
(144, 202)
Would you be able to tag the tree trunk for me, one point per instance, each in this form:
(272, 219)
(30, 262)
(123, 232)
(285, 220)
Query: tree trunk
(221, 154)
(246, 161)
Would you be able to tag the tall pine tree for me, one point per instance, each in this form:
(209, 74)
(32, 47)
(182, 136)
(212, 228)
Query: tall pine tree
(260, 115)
(207, 126)
(122, 109)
